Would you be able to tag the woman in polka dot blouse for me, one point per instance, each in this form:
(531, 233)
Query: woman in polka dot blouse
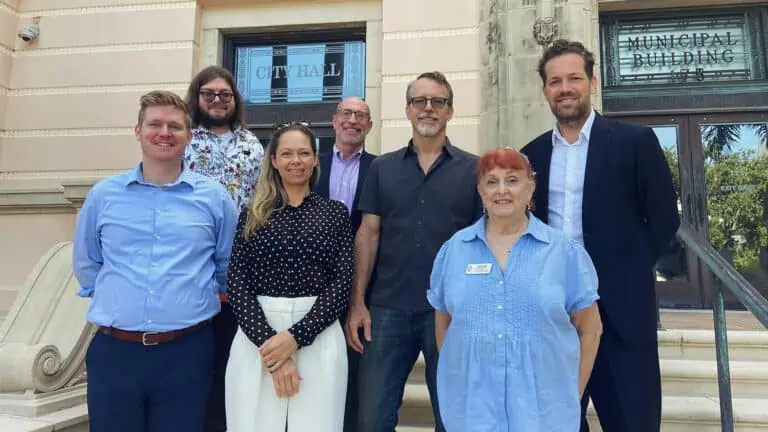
(289, 280)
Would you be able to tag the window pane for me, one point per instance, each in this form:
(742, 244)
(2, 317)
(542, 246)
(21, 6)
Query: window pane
(300, 73)
(736, 171)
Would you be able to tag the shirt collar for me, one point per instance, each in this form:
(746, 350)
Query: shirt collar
(337, 153)
(309, 201)
(204, 130)
(536, 229)
(584, 134)
(447, 148)
(136, 176)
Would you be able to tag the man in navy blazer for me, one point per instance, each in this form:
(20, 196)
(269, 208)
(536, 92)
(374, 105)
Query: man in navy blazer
(342, 175)
(343, 168)
(608, 186)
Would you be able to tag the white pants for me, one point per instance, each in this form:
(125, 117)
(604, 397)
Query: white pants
(251, 400)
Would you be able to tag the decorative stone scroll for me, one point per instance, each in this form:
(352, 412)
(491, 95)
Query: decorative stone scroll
(44, 338)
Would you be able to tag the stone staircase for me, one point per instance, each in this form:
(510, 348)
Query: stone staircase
(689, 383)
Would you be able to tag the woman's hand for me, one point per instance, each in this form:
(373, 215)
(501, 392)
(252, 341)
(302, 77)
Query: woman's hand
(277, 349)
(286, 379)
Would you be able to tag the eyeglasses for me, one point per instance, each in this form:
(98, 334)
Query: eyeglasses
(210, 96)
(359, 115)
(278, 126)
(420, 102)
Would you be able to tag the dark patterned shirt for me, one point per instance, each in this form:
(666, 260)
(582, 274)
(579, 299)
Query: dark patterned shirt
(301, 252)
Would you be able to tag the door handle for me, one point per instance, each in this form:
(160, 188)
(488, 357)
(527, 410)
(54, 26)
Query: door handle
(700, 203)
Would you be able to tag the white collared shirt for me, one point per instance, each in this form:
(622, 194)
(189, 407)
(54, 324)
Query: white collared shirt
(566, 181)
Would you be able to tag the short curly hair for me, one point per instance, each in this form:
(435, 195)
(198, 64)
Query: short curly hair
(562, 47)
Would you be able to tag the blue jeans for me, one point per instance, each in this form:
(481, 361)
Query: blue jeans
(397, 337)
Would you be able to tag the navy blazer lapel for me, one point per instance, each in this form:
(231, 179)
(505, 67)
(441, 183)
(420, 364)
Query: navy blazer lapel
(323, 184)
(542, 166)
(365, 162)
(597, 156)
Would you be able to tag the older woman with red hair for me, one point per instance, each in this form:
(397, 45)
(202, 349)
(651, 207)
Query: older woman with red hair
(516, 314)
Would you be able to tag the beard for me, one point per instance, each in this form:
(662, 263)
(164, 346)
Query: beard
(429, 131)
(209, 121)
(579, 112)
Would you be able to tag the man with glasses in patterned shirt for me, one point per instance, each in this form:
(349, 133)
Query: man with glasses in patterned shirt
(342, 175)
(222, 149)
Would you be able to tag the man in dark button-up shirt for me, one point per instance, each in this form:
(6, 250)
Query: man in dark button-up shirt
(414, 199)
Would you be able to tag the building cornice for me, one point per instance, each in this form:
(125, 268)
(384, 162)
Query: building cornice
(67, 198)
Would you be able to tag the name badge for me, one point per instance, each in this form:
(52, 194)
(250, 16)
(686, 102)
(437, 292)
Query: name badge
(479, 268)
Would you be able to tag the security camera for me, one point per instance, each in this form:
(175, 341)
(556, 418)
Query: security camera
(30, 33)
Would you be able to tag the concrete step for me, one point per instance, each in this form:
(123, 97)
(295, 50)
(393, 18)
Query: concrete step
(690, 378)
(679, 413)
(700, 345)
(702, 414)
(748, 346)
(749, 380)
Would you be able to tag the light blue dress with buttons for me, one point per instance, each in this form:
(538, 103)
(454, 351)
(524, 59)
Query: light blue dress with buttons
(510, 359)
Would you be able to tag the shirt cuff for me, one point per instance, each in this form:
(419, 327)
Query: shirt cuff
(85, 292)
(304, 337)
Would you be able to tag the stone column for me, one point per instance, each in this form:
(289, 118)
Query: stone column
(514, 34)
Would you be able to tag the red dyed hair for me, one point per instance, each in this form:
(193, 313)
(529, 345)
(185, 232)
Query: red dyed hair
(504, 158)
(507, 158)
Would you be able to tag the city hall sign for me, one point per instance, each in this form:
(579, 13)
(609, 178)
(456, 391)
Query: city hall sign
(683, 51)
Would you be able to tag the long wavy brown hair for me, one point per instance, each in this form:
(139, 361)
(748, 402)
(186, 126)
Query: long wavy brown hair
(205, 76)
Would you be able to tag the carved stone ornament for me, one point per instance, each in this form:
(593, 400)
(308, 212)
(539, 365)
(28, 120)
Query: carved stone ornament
(545, 30)
(45, 336)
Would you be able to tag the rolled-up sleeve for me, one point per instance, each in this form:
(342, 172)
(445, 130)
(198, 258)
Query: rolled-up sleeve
(581, 279)
(436, 291)
(87, 258)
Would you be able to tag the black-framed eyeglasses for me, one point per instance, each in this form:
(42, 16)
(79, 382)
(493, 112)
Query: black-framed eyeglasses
(420, 102)
(359, 115)
(210, 96)
(277, 126)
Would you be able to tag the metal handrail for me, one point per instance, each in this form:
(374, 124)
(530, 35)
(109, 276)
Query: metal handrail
(727, 278)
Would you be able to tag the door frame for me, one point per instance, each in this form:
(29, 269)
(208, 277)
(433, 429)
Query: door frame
(700, 188)
(688, 293)
(693, 199)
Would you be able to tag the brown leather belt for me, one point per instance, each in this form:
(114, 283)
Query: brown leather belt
(150, 338)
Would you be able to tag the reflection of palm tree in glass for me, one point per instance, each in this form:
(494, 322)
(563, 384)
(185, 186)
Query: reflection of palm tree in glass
(718, 139)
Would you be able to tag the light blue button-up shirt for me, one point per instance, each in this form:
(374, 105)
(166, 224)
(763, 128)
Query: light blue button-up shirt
(154, 258)
(510, 359)
(567, 169)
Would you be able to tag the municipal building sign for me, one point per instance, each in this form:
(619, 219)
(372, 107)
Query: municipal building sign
(681, 50)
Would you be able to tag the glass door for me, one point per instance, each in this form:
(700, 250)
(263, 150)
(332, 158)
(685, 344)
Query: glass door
(732, 175)
(678, 282)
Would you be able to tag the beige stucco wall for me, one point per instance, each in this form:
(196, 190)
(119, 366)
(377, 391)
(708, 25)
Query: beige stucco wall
(8, 24)
(448, 41)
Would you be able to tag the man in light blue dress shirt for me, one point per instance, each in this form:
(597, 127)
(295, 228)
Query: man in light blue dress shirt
(151, 250)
